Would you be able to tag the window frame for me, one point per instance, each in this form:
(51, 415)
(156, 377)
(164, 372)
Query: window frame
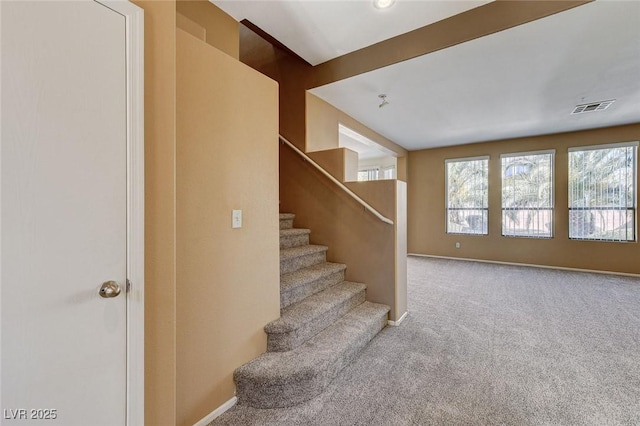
(634, 180)
(369, 171)
(392, 169)
(446, 194)
(552, 208)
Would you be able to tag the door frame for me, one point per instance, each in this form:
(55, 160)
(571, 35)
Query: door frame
(134, 51)
(134, 30)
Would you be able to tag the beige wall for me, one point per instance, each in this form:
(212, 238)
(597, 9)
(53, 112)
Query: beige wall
(426, 214)
(290, 72)
(160, 345)
(322, 127)
(191, 26)
(216, 27)
(227, 279)
(354, 236)
(341, 163)
(163, 391)
(322, 121)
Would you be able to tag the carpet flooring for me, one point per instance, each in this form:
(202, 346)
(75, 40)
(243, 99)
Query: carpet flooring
(489, 344)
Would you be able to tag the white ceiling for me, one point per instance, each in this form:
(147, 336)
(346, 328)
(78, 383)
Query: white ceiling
(519, 82)
(319, 30)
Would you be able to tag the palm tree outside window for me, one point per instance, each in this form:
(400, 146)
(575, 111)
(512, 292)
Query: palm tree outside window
(527, 194)
(602, 192)
(467, 183)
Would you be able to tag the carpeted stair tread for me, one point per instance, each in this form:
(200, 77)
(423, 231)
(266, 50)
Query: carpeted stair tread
(287, 216)
(297, 285)
(293, 237)
(304, 276)
(293, 252)
(294, 231)
(282, 379)
(294, 258)
(297, 315)
(303, 320)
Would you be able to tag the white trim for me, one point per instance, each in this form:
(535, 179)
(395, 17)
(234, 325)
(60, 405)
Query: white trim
(561, 268)
(525, 153)
(571, 190)
(399, 321)
(603, 146)
(552, 179)
(455, 160)
(217, 412)
(446, 193)
(134, 28)
(1, 229)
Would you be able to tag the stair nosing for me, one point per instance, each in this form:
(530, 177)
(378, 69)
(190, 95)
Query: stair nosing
(290, 320)
(315, 272)
(294, 231)
(299, 251)
(296, 370)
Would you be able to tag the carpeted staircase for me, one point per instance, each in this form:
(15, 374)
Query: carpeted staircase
(324, 323)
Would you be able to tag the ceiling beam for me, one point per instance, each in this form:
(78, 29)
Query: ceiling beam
(487, 19)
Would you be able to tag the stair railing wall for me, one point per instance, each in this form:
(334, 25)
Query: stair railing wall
(373, 248)
(366, 205)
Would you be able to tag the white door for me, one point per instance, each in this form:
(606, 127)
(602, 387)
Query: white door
(63, 213)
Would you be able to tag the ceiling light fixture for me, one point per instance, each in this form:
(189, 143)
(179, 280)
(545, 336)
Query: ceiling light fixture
(383, 4)
(384, 100)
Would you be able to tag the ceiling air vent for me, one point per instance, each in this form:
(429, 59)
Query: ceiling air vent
(595, 106)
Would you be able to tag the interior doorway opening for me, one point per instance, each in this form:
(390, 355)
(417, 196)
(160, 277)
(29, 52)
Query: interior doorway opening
(375, 162)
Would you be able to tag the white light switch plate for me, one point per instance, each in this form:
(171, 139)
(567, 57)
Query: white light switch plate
(236, 219)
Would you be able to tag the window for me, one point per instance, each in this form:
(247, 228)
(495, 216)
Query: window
(527, 194)
(602, 192)
(467, 182)
(389, 172)
(368, 174)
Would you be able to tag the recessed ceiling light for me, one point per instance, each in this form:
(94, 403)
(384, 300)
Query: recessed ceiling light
(383, 4)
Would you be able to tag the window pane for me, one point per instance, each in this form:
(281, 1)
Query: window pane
(367, 174)
(602, 193)
(467, 196)
(527, 195)
(389, 172)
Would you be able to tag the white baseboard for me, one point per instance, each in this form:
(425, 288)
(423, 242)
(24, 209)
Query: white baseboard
(562, 268)
(397, 323)
(217, 412)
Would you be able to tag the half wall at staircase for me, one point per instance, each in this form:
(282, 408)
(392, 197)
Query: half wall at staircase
(227, 279)
(375, 251)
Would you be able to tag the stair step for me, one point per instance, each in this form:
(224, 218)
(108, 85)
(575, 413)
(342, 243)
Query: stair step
(283, 379)
(303, 320)
(304, 282)
(294, 237)
(295, 258)
(286, 220)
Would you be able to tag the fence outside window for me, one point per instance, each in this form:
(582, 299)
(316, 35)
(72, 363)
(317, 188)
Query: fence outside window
(467, 182)
(602, 192)
(527, 194)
